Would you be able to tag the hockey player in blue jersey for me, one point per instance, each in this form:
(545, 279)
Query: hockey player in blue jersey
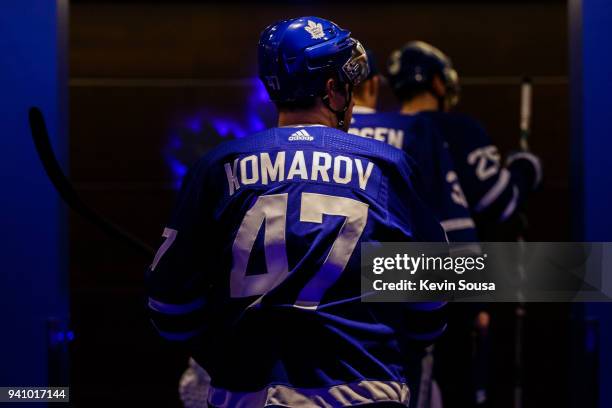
(427, 86)
(418, 137)
(259, 272)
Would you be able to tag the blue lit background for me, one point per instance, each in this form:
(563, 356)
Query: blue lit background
(197, 132)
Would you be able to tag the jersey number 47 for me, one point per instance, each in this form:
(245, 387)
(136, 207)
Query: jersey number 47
(272, 209)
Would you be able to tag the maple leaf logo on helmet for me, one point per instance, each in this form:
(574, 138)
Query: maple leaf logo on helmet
(315, 30)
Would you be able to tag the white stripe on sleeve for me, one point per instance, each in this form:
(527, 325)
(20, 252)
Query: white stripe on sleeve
(535, 162)
(495, 191)
(511, 205)
(454, 224)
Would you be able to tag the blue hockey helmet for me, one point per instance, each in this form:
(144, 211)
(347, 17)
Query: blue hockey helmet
(413, 67)
(297, 57)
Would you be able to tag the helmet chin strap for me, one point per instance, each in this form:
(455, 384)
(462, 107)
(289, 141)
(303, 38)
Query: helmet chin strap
(340, 114)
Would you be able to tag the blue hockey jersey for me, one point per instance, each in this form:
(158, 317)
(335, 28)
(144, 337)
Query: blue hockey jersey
(420, 137)
(259, 271)
(494, 191)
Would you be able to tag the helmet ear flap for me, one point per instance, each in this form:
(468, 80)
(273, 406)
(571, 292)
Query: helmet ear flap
(453, 89)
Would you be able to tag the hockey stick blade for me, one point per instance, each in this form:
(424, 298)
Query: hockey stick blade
(66, 191)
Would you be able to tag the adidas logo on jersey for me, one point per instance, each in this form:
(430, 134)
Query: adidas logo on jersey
(300, 135)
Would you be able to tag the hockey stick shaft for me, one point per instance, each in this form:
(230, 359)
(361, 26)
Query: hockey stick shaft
(67, 192)
(520, 311)
(525, 123)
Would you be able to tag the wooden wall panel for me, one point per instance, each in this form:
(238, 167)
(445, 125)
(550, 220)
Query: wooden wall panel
(216, 41)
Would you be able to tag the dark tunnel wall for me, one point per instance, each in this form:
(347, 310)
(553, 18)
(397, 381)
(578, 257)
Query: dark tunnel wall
(141, 75)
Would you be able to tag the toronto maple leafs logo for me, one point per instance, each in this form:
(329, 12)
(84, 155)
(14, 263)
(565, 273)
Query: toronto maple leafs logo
(315, 30)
